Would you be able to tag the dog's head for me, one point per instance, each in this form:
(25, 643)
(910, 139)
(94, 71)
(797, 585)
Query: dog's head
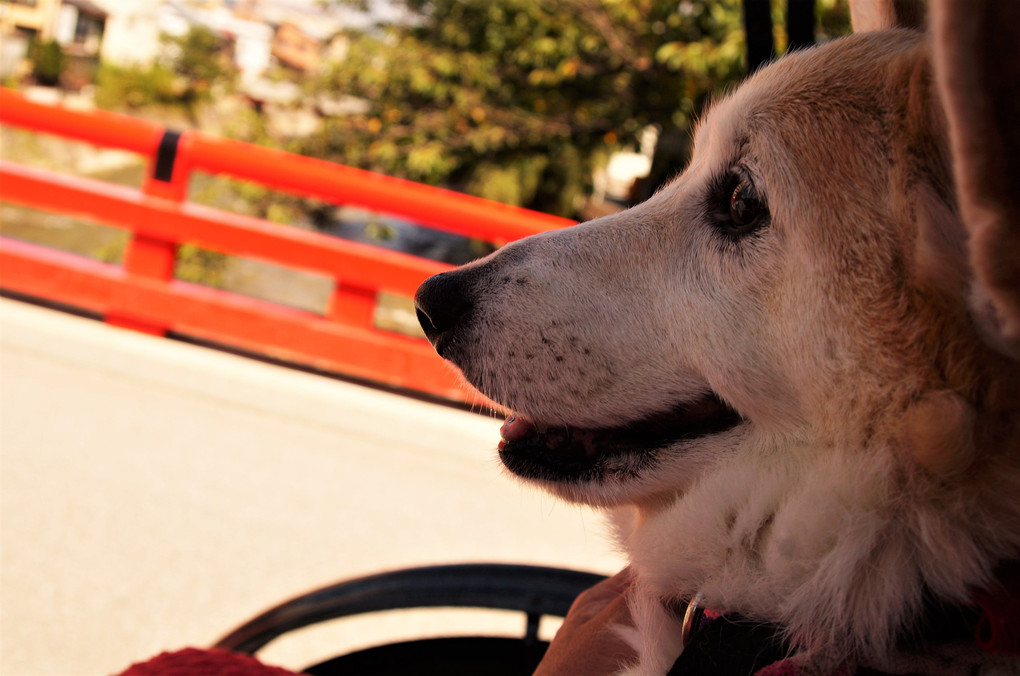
(801, 285)
(798, 359)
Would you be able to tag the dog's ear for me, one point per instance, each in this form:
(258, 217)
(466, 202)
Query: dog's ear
(872, 15)
(977, 76)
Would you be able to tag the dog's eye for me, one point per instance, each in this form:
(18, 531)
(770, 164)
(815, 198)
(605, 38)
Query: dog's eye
(736, 208)
(746, 207)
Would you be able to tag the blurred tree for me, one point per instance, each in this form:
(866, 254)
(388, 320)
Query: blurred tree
(200, 59)
(189, 68)
(48, 62)
(833, 19)
(135, 87)
(517, 100)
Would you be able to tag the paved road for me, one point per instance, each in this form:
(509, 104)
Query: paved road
(155, 494)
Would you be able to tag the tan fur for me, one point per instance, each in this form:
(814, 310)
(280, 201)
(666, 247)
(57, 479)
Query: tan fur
(876, 458)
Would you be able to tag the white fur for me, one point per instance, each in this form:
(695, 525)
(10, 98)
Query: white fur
(655, 635)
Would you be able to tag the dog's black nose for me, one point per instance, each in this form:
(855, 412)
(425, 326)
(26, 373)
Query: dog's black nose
(441, 301)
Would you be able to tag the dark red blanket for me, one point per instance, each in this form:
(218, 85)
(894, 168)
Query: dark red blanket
(195, 662)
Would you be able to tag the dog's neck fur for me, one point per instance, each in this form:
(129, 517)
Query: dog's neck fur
(846, 567)
(752, 546)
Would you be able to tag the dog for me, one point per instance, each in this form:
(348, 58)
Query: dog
(785, 372)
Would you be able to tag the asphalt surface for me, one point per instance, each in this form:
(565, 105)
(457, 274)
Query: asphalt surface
(155, 494)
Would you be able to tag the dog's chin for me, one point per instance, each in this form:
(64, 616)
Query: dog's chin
(580, 463)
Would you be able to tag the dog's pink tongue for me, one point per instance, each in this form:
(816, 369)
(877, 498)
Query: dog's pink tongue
(516, 427)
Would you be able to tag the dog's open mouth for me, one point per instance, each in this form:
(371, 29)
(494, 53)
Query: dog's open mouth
(563, 453)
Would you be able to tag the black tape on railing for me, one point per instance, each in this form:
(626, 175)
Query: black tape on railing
(166, 156)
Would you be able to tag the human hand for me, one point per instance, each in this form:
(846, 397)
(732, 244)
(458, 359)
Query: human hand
(586, 643)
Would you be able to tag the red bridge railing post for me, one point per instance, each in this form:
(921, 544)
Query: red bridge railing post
(146, 255)
(351, 304)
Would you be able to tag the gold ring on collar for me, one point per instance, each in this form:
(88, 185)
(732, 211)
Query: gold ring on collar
(692, 618)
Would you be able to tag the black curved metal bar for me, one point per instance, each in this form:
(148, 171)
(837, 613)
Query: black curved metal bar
(534, 590)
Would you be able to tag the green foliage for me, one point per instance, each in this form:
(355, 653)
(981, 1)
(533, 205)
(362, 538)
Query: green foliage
(194, 63)
(48, 62)
(517, 100)
(117, 87)
(200, 59)
(833, 18)
(247, 198)
(200, 266)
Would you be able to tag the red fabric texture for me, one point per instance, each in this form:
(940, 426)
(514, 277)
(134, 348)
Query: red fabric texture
(198, 662)
(999, 628)
(784, 668)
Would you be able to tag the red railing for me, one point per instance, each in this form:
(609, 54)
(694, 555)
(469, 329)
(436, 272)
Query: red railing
(142, 293)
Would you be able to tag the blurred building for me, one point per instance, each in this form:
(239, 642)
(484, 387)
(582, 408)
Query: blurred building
(301, 35)
(306, 35)
(77, 25)
(29, 18)
(616, 185)
(133, 28)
